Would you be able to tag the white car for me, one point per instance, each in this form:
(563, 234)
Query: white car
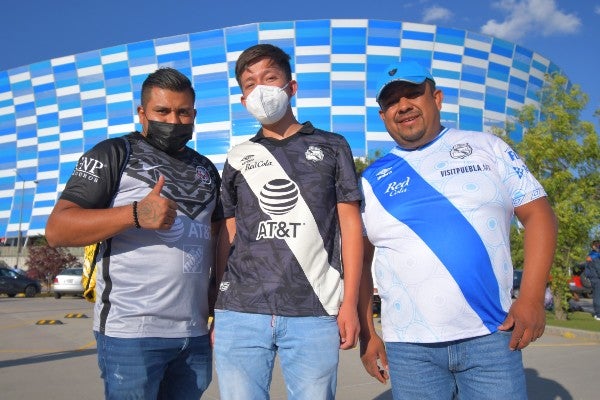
(68, 281)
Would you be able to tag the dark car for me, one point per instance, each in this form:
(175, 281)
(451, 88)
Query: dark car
(13, 282)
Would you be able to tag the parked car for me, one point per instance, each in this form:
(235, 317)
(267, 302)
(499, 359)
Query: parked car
(68, 281)
(13, 282)
(376, 303)
(516, 289)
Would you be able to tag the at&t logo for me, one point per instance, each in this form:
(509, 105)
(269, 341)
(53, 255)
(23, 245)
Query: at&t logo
(278, 197)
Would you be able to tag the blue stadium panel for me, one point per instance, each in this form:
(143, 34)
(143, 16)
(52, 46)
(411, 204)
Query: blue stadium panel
(313, 33)
(313, 71)
(174, 52)
(141, 54)
(238, 38)
(348, 82)
(383, 48)
(51, 111)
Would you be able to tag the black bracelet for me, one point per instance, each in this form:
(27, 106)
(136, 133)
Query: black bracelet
(135, 215)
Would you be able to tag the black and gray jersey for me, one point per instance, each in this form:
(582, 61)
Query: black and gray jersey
(151, 283)
(285, 258)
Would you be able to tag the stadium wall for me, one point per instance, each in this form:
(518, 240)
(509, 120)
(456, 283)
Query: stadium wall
(54, 110)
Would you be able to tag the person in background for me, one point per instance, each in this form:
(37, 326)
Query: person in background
(438, 208)
(291, 200)
(592, 271)
(153, 203)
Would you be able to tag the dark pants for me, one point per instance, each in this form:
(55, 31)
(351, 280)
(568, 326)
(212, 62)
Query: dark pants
(596, 296)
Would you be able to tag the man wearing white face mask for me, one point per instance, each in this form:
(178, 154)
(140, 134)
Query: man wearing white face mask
(291, 202)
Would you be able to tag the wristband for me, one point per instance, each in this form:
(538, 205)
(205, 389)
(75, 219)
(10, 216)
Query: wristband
(135, 215)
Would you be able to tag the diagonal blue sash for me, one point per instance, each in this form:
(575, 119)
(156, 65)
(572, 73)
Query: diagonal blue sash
(445, 230)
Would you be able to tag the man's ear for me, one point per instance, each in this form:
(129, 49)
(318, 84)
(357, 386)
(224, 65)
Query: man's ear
(293, 85)
(438, 96)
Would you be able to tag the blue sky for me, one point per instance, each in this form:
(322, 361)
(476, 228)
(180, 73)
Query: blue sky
(565, 31)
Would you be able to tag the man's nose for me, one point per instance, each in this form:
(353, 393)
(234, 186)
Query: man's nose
(404, 104)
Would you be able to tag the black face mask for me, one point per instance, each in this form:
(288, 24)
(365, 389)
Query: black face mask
(167, 137)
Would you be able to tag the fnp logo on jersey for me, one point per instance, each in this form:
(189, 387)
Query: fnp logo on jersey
(278, 197)
(88, 168)
(395, 188)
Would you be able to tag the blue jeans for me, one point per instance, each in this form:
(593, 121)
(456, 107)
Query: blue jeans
(154, 368)
(477, 368)
(246, 345)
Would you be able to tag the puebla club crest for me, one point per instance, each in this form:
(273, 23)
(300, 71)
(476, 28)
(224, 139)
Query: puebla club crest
(461, 150)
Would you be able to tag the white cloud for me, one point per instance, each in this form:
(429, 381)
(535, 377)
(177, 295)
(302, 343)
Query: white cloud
(436, 14)
(525, 17)
(597, 10)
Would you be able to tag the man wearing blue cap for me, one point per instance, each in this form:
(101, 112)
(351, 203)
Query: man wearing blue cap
(438, 208)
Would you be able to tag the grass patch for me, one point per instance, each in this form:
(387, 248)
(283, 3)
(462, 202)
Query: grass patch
(576, 320)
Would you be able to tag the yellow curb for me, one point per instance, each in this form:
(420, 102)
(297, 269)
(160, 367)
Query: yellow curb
(76, 316)
(49, 322)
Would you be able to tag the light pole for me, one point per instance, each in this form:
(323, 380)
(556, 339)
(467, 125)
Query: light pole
(20, 217)
(20, 220)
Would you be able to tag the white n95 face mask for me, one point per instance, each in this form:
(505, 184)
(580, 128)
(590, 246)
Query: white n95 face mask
(268, 104)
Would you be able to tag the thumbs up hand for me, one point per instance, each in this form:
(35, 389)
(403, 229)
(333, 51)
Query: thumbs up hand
(155, 211)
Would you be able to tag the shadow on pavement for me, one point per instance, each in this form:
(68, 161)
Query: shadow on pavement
(542, 388)
(41, 358)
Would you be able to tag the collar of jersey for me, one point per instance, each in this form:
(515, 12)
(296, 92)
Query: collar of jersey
(307, 129)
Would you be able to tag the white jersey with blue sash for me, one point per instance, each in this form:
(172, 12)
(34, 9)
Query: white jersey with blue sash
(440, 218)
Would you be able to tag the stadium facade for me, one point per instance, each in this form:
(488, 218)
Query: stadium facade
(52, 111)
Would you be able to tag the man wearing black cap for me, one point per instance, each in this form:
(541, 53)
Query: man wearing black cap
(438, 208)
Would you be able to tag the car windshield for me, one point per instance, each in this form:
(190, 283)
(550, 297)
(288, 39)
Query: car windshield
(71, 271)
(9, 273)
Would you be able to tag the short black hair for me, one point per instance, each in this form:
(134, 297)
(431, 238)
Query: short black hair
(169, 79)
(263, 50)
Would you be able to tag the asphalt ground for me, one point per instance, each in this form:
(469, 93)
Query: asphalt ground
(57, 359)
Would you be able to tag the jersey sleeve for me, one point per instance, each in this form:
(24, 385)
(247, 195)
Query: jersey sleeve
(228, 190)
(97, 174)
(346, 180)
(217, 214)
(520, 182)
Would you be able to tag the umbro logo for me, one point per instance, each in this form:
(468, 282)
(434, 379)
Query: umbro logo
(383, 173)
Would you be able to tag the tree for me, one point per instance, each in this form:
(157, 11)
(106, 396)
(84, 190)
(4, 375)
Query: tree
(361, 163)
(45, 262)
(563, 153)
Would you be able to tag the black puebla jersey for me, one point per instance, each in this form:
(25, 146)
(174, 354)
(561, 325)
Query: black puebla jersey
(151, 283)
(285, 258)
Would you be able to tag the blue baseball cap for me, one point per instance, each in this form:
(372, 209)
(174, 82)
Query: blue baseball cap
(406, 71)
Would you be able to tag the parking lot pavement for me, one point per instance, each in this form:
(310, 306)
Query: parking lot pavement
(58, 360)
